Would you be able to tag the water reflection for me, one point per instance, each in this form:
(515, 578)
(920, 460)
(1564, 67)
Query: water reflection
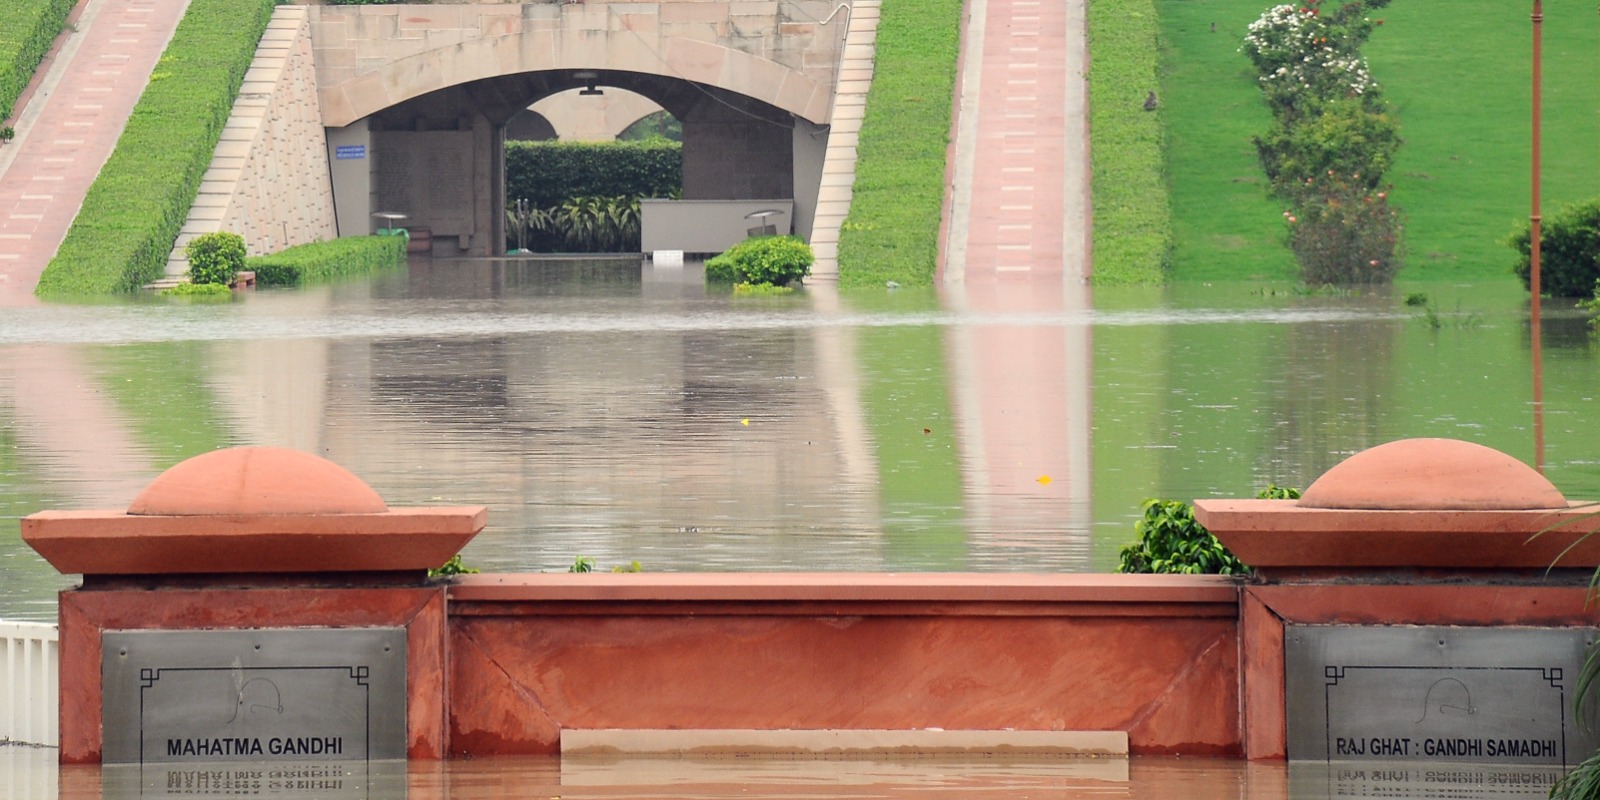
(617, 411)
(31, 774)
(502, 778)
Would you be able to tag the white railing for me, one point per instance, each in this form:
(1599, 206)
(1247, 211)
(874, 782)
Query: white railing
(29, 688)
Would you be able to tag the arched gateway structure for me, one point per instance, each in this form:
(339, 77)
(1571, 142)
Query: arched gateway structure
(415, 98)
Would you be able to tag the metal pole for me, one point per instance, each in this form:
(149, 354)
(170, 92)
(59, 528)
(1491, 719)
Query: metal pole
(1535, 287)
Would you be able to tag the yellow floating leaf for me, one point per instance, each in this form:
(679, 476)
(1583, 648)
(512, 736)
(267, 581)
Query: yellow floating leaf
(1044, 480)
(745, 422)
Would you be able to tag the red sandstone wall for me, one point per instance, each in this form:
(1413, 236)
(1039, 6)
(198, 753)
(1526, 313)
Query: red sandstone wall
(531, 655)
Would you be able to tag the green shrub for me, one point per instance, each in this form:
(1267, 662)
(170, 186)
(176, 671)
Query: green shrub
(27, 28)
(321, 261)
(547, 174)
(452, 567)
(215, 257)
(1171, 541)
(1569, 251)
(1345, 234)
(1344, 138)
(131, 216)
(770, 260)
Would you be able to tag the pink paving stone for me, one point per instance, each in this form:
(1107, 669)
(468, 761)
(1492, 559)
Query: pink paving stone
(1021, 41)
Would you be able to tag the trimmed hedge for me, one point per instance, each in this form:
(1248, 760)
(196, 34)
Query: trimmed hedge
(547, 174)
(320, 261)
(892, 232)
(27, 27)
(1132, 221)
(136, 206)
(26, 32)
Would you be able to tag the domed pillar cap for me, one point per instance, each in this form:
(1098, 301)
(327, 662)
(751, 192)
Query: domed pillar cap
(1413, 504)
(253, 510)
(256, 480)
(1432, 475)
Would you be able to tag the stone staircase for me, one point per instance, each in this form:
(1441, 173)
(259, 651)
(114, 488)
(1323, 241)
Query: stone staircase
(839, 161)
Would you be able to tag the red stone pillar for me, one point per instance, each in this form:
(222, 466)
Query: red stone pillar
(1415, 532)
(252, 538)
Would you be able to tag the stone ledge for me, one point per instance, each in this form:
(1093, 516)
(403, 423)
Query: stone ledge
(836, 742)
(1280, 533)
(1201, 592)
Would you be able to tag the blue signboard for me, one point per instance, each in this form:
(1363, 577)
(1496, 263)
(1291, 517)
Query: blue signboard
(347, 151)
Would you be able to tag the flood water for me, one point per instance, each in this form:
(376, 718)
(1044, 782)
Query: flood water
(625, 413)
(31, 774)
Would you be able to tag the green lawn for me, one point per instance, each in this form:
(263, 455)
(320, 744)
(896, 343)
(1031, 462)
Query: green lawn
(1457, 82)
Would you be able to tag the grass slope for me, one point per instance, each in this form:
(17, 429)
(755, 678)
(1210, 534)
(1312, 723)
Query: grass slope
(1460, 84)
(892, 231)
(1223, 224)
(1132, 225)
(1458, 81)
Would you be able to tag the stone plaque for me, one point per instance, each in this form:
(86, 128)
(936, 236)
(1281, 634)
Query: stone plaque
(1421, 694)
(289, 695)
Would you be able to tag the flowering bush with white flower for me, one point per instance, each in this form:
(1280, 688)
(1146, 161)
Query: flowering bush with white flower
(1332, 139)
(1303, 56)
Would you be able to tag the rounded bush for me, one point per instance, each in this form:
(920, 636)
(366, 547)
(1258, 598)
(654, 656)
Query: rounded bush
(215, 257)
(770, 260)
(1569, 251)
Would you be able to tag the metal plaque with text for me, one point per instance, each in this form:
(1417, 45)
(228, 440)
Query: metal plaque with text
(317, 694)
(1434, 694)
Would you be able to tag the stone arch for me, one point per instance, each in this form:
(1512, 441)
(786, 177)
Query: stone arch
(709, 64)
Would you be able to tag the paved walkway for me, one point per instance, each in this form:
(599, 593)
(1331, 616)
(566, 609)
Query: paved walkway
(1019, 207)
(69, 127)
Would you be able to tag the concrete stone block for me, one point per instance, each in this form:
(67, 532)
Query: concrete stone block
(695, 61)
(694, 12)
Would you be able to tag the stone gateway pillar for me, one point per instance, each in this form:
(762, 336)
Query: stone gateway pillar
(1425, 601)
(253, 604)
